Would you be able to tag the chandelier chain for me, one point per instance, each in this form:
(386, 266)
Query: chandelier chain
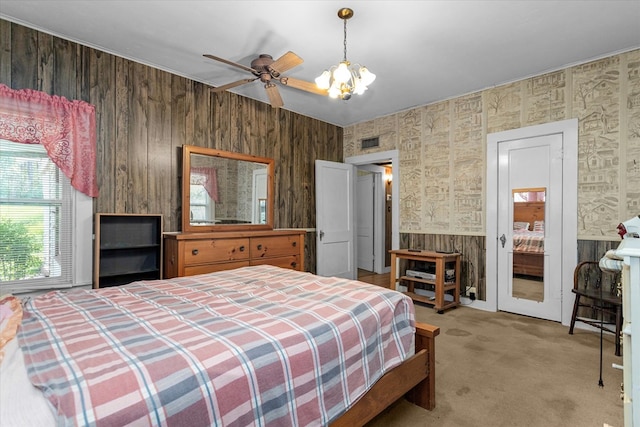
(345, 40)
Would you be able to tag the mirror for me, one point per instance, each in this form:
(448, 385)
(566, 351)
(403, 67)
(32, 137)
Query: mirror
(224, 191)
(528, 243)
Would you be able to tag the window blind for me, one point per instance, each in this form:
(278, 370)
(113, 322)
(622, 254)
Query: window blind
(36, 220)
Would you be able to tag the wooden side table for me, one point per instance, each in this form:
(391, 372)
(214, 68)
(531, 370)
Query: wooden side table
(441, 286)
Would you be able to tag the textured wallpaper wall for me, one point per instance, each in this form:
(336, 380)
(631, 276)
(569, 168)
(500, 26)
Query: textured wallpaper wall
(442, 146)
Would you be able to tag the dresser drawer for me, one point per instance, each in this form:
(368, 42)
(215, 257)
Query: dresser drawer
(210, 268)
(215, 250)
(290, 261)
(275, 246)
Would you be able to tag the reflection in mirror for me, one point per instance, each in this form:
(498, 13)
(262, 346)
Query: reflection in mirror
(229, 191)
(528, 243)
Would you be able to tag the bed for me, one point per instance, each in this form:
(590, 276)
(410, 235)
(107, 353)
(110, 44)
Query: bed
(528, 239)
(257, 345)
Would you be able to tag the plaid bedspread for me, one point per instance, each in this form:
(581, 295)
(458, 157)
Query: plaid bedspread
(528, 241)
(254, 346)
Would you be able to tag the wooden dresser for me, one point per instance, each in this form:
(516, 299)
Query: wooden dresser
(186, 254)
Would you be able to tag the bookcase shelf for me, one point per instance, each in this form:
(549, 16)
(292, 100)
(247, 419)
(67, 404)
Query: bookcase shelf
(441, 286)
(127, 247)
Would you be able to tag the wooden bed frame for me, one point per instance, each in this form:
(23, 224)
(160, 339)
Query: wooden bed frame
(415, 379)
(527, 263)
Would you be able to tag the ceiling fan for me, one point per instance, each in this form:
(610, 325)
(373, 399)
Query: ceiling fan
(268, 71)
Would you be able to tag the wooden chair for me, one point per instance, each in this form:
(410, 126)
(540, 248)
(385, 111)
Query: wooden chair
(599, 295)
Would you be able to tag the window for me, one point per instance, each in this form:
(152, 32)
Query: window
(202, 208)
(45, 224)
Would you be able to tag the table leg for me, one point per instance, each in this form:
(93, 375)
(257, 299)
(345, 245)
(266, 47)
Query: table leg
(439, 284)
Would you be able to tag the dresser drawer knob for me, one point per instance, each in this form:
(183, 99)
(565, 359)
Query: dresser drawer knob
(294, 264)
(194, 252)
(294, 244)
(242, 248)
(259, 247)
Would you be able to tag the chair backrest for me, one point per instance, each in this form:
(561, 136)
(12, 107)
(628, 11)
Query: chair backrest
(588, 276)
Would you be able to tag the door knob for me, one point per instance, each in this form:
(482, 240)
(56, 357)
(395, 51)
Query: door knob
(503, 239)
(321, 234)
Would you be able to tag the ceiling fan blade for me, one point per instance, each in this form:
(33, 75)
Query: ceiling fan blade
(274, 95)
(286, 62)
(226, 61)
(303, 85)
(232, 85)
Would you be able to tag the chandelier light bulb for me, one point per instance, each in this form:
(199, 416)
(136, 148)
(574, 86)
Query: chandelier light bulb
(334, 91)
(323, 80)
(366, 76)
(359, 87)
(342, 73)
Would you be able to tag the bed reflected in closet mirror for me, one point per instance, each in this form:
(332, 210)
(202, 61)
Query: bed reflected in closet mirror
(528, 243)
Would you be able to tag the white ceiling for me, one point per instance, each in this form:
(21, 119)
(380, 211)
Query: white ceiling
(421, 51)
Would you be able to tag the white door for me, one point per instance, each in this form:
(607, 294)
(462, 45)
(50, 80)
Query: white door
(365, 220)
(379, 213)
(259, 203)
(368, 162)
(568, 129)
(530, 177)
(335, 219)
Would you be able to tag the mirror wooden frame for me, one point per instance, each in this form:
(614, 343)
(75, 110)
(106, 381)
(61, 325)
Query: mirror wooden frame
(187, 227)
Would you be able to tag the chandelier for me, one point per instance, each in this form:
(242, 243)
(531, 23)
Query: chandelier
(343, 80)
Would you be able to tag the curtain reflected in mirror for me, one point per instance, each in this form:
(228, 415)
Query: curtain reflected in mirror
(528, 243)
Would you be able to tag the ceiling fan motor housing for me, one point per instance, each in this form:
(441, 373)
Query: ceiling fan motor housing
(262, 65)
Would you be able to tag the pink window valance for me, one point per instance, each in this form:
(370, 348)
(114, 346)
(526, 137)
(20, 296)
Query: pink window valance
(208, 178)
(66, 129)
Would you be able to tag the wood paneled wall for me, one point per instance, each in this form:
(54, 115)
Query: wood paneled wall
(593, 250)
(144, 116)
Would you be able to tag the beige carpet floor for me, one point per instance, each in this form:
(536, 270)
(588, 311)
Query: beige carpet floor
(502, 369)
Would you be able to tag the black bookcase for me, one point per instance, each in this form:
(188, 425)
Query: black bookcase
(128, 247)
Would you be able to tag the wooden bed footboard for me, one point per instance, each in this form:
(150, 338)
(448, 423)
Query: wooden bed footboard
(527, 263)
(415, 379)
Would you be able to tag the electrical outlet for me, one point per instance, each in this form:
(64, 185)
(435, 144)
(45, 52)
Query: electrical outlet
(472, 293)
